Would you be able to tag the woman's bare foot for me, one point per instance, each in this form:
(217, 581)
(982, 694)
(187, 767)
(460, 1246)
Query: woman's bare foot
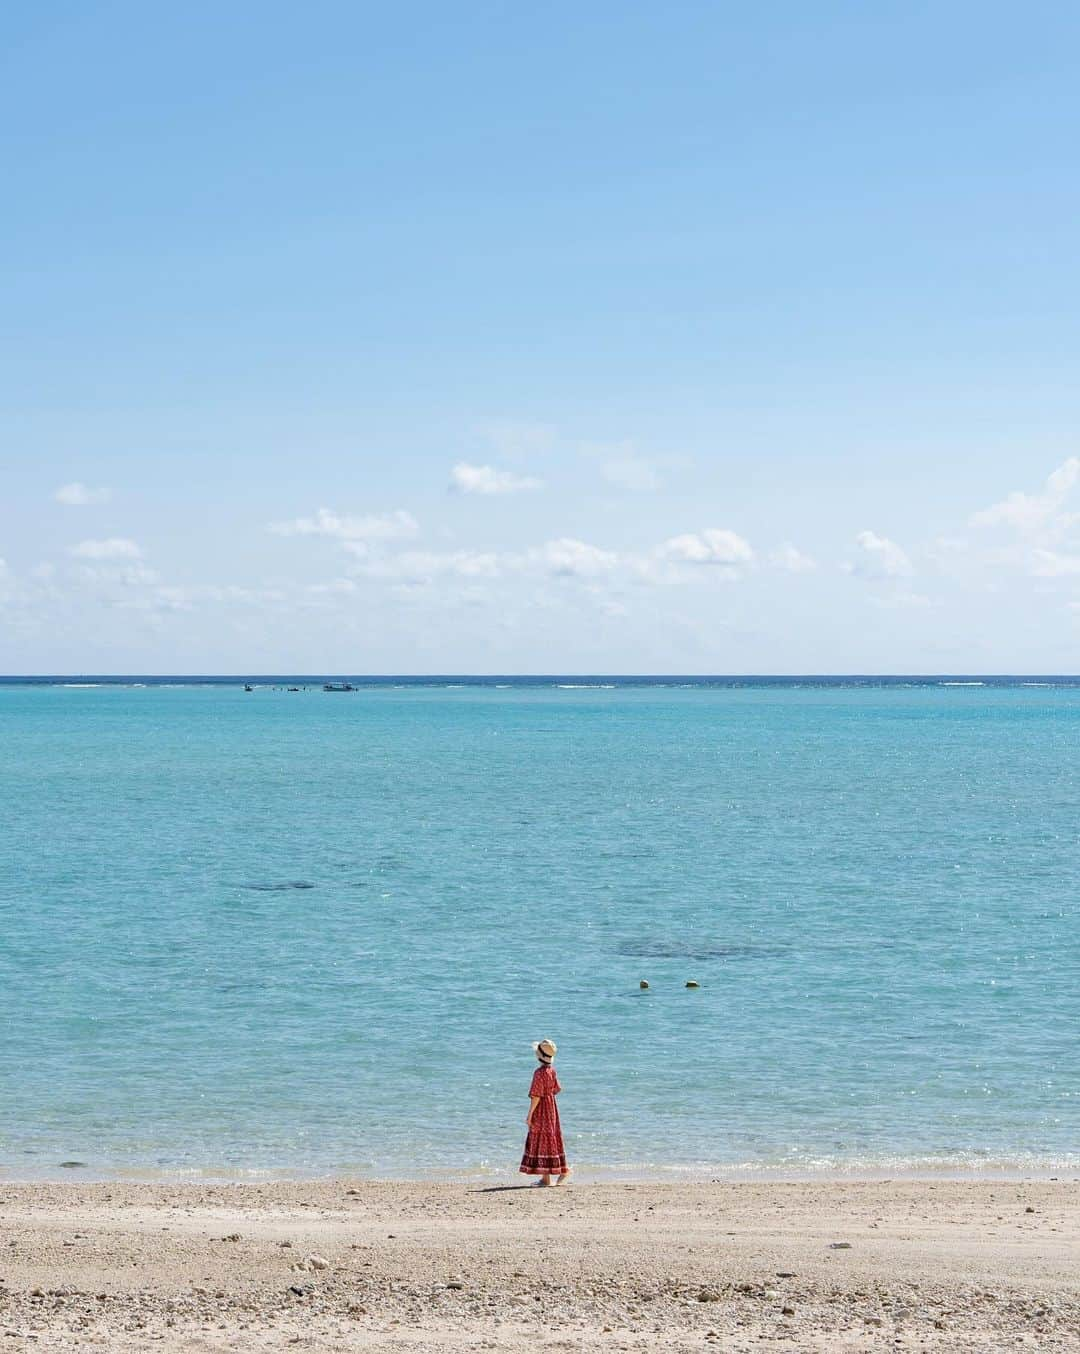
(563, 1178)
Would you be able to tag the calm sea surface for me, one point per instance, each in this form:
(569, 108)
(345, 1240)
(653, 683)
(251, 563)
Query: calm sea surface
(299, 931)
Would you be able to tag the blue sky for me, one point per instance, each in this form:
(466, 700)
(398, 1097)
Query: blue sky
(486, 337)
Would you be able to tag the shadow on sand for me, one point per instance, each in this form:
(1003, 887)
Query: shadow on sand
(500, 1189)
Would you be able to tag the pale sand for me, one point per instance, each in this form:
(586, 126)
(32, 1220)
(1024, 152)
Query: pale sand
(748, 1266)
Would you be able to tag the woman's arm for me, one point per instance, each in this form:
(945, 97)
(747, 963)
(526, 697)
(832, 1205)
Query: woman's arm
(534, 1100)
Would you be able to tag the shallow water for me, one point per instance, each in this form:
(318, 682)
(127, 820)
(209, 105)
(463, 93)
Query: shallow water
(311, 932)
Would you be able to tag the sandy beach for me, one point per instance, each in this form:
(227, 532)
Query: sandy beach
(342, 1265)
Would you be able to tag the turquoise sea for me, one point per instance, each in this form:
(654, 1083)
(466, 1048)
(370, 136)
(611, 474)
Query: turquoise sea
(296, 932)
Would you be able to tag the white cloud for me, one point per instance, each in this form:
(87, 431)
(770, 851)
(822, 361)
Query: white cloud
(879, 558)
(788, 557)
(1032, 512)
(485, 479)
(79, 495)
(715, 545)
(574, 559)
(390, 526)
(116, 547)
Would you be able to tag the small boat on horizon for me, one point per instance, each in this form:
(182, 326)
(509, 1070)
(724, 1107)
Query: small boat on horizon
(338, 686)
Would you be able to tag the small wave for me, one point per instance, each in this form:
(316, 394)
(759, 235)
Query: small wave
(585, 686)
(280, 887)
(961, 683)
(797, 1166)
(81, 686)
(675, 949)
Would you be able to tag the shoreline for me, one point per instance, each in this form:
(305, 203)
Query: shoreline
(439, 1266)
(592, 1175)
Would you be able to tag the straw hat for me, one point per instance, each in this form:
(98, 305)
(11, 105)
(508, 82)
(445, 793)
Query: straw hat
(547, 1048)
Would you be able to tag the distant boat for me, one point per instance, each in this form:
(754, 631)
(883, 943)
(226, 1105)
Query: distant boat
(338, 686)
(248, 688)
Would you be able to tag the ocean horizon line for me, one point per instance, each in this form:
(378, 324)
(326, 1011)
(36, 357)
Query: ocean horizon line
(538, 677)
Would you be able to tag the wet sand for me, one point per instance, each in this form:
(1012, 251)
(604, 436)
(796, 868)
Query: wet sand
(344, 1265)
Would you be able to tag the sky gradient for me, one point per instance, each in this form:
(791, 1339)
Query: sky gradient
(488, 338)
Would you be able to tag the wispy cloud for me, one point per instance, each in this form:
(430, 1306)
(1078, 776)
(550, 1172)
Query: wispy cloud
(425, 566)
(518, 439)
(115, 547)
(791, 559)
(390, 526)
(119, 571)
(633, 473)
(485, 479)
(1033, 512)
(77, 495)
(622, 465)
(878, 557)
(574, 559)
(904, 598)
(1053, 564)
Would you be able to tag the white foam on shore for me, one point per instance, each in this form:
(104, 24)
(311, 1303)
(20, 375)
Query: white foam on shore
(971, 1166)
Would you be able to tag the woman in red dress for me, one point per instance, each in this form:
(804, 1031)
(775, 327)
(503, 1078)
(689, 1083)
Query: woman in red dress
(544, 1155)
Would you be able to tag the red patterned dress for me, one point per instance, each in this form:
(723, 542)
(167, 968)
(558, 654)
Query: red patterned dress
(544, 1151)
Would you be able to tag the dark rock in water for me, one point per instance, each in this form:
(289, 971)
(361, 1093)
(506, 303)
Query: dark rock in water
(280, 888)
(71, 1165)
